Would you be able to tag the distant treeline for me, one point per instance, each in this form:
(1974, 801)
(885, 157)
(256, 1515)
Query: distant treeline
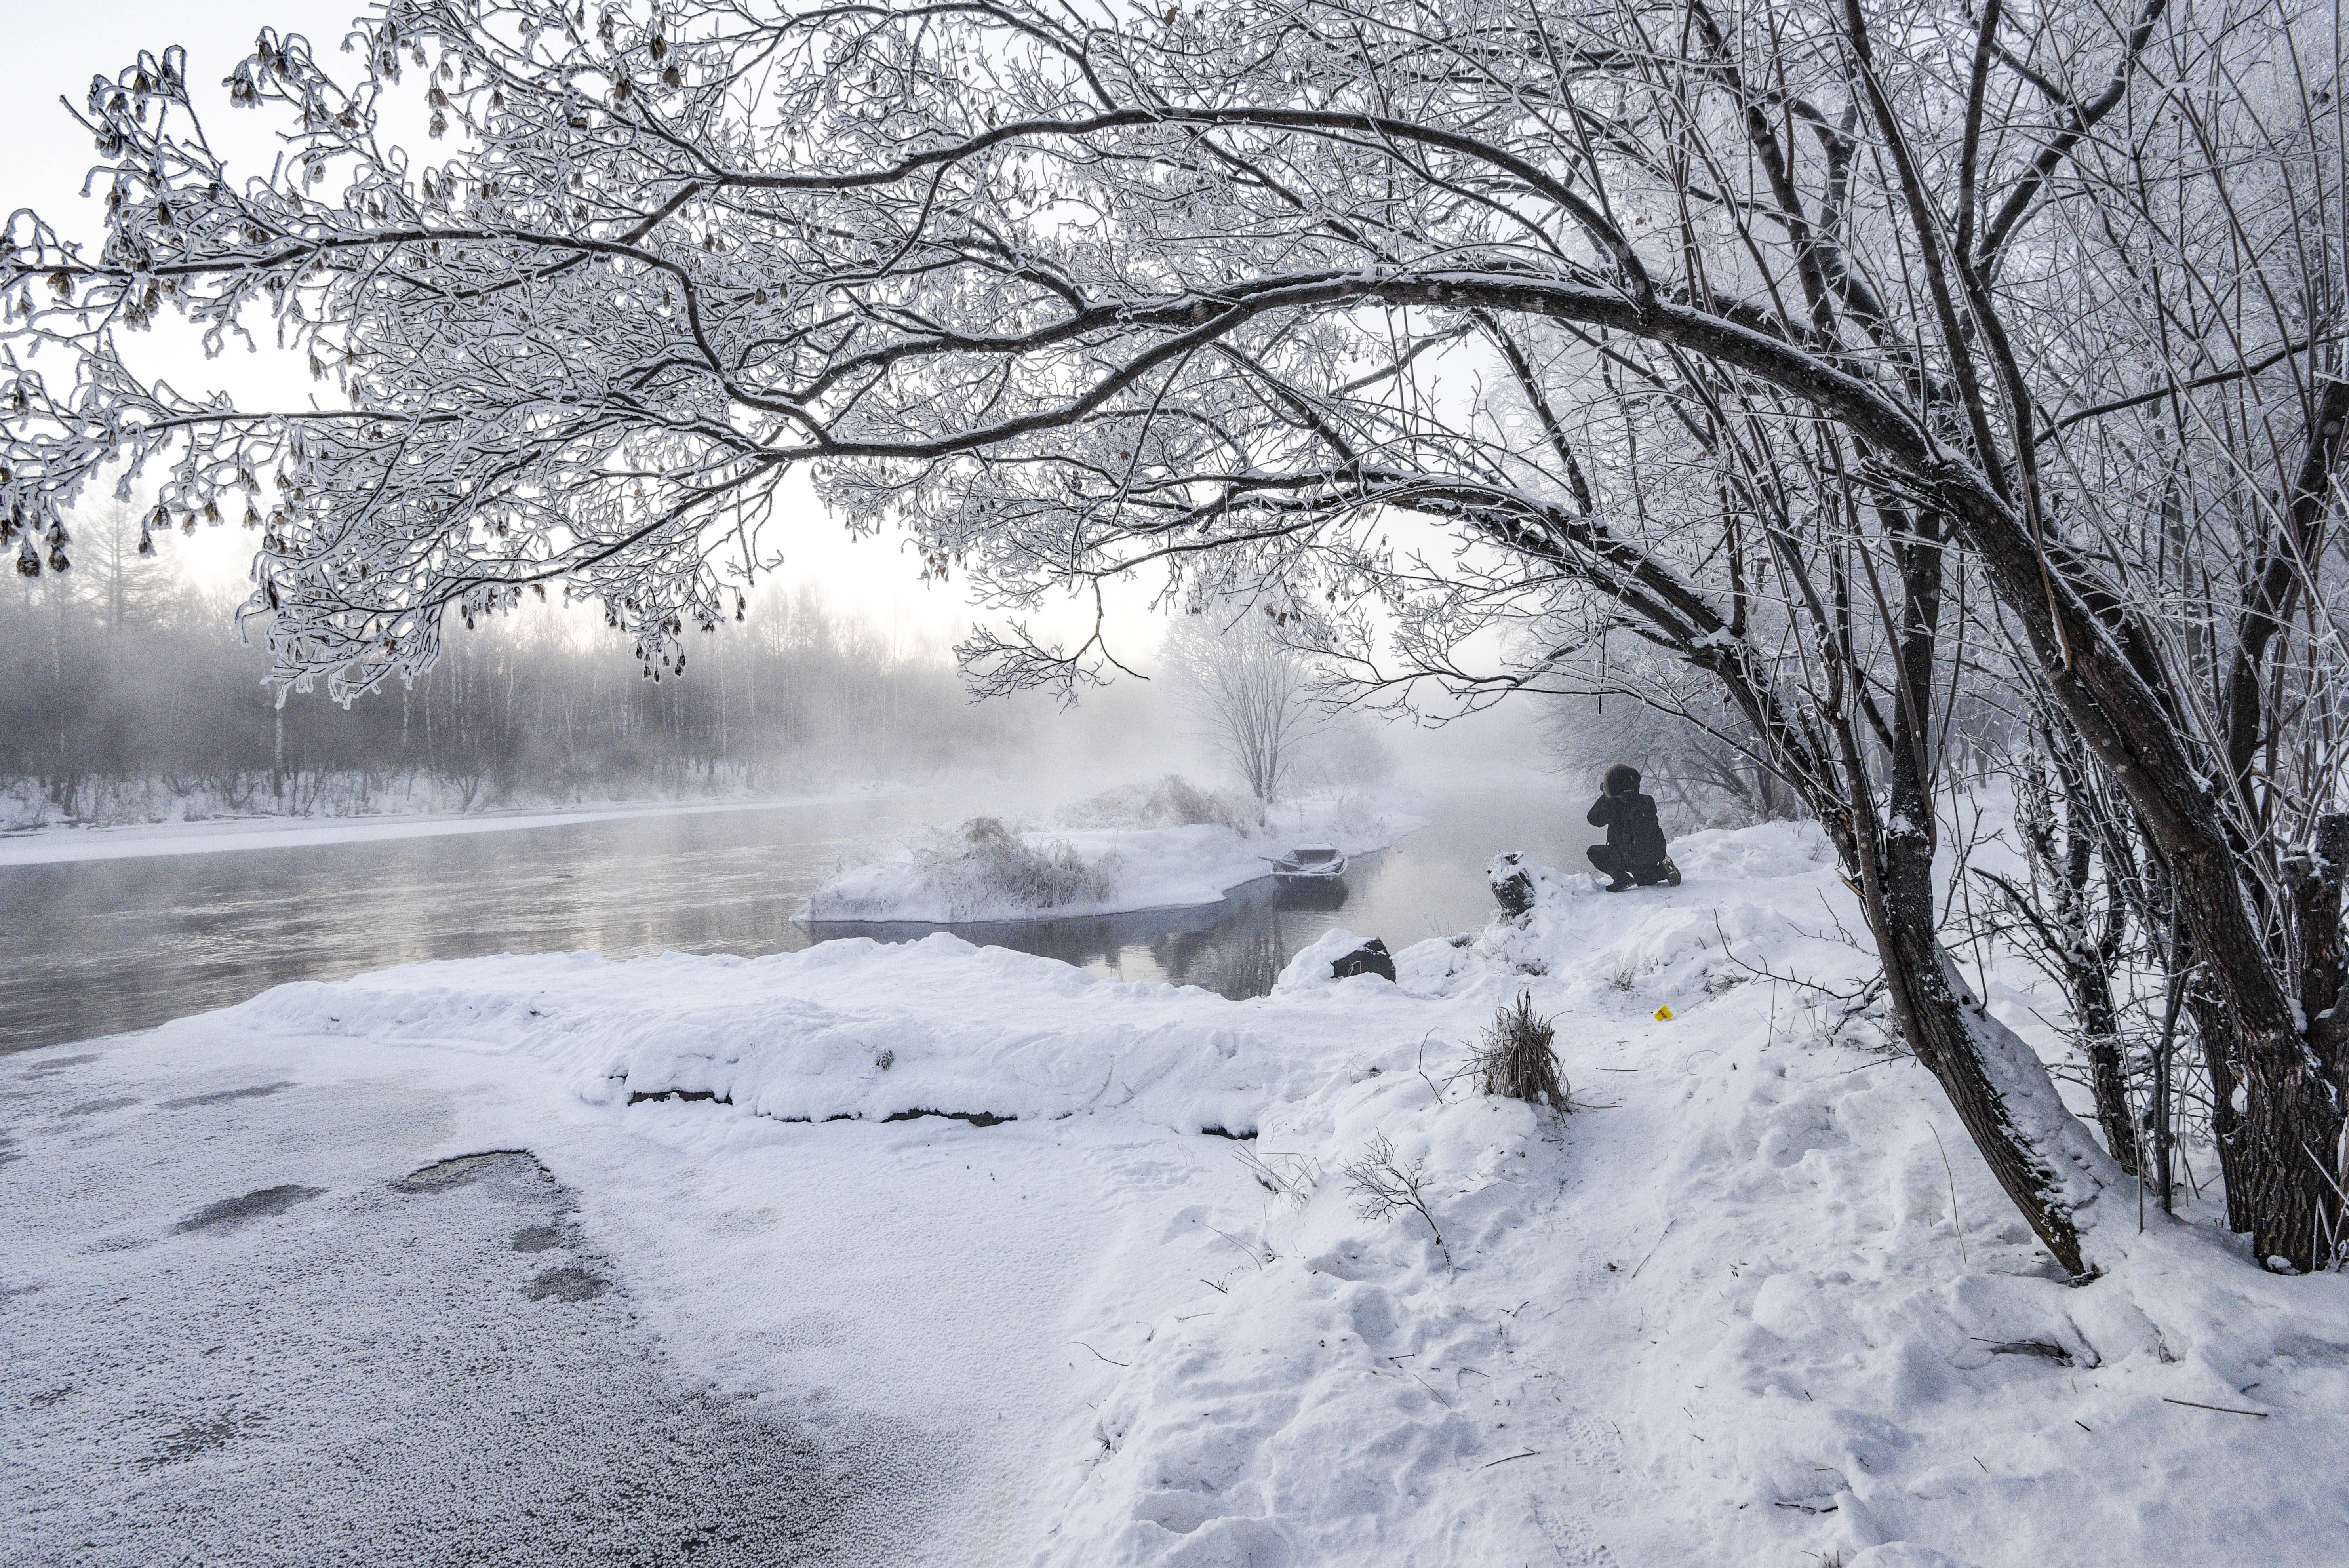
(126, 695)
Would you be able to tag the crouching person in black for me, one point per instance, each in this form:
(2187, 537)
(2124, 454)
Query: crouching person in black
(1633, 854)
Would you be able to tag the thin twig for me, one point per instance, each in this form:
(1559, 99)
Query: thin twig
(2222, 1410)
(1956, 1228)
(1660, 1241)
(1422, 1068)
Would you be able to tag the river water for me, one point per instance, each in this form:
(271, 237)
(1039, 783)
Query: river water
(106, 946)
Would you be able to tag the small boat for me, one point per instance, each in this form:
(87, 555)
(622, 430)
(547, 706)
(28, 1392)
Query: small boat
(1309, 865)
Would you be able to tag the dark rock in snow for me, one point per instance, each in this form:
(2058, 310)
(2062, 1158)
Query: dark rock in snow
(1369, 958)
(1512, 883)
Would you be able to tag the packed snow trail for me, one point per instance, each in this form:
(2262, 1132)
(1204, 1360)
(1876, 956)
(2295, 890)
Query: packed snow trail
(1755, 1302)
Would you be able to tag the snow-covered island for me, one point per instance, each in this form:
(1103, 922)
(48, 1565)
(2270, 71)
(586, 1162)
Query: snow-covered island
(1167, 845)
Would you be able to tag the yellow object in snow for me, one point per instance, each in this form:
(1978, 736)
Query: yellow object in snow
(1663, 1015)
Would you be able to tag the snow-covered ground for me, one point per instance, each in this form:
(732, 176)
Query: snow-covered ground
(1167, 847)
(48, 845)
(1757, 1301)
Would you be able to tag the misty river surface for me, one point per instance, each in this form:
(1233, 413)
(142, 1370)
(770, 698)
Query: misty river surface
(121, 944)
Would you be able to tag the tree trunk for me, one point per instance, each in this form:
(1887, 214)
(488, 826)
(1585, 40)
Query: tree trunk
(2039, 1151)
(2116, 697)
(2109, 1085)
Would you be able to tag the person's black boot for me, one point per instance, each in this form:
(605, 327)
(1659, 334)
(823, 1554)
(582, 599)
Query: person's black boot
(1621, 883)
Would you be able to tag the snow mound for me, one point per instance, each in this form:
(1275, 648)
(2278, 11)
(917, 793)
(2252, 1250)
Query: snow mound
(1770, 850)
(1169, 846)
(1670, 945)
(1676, 951)
(1530, 942)
(1309, 970)
(850, 1029)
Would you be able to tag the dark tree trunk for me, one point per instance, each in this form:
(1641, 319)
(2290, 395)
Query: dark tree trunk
(2100, 1042)
(2114, 696)
(2032, 1143)
(1997, 1085)
(2080, 943)
(2315, 882)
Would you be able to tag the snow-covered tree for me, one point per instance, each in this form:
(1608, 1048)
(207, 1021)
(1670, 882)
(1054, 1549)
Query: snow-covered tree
(1756, 331)
(1695, 753)
(1250, 694)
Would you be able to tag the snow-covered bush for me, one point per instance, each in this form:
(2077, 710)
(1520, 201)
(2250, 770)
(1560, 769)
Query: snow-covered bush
(984, 865)
(1172, 802)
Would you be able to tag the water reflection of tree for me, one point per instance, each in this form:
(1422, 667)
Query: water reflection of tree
(1264, 926)
(1242, 957)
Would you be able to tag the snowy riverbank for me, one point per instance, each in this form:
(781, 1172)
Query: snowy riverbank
(1166, 846)
(1758, 1302)
(54, 844)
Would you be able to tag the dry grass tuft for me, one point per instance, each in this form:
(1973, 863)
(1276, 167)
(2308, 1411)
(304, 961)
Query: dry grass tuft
(1514, 1058)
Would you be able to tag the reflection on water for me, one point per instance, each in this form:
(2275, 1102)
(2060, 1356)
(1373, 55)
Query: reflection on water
(109, 945)
(1430, 884)
(1237, 947)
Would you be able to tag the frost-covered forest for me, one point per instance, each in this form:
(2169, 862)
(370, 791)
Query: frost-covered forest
(126, 697)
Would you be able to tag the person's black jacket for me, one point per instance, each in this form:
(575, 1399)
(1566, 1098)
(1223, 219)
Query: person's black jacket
(1630, 823)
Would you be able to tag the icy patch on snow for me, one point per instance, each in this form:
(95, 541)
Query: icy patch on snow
(1119, 853)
